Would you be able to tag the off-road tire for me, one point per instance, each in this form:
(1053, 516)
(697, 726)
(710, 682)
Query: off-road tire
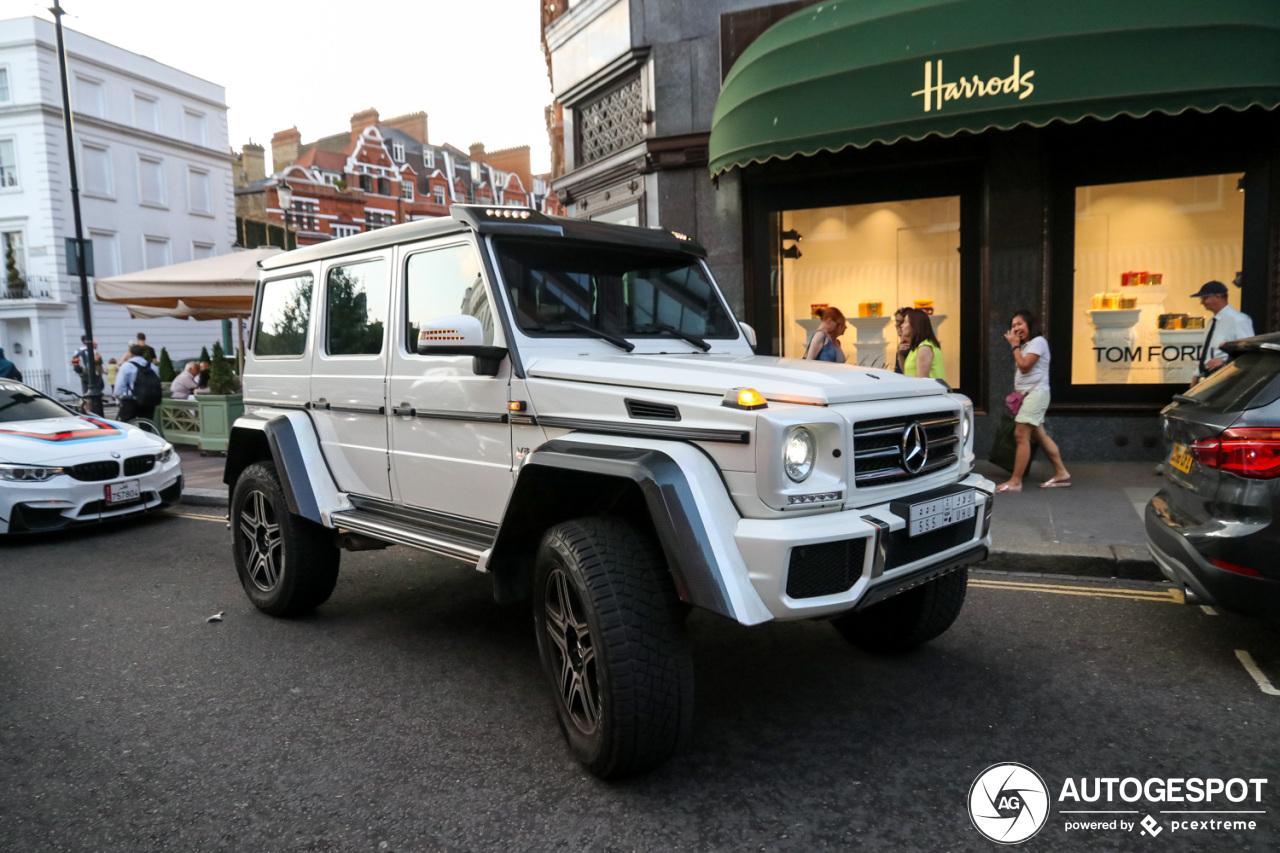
(287, 564)
(909, 619)
(626, 628)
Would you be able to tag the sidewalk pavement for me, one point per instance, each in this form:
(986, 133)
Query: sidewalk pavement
(1093, 529)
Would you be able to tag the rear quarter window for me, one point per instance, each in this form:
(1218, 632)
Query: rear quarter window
(1249, 381)
(284, 317)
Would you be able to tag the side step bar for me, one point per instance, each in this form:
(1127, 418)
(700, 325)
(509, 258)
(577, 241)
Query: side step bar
(380, 528)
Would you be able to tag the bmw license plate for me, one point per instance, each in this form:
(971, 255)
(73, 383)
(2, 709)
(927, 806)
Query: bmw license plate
(1180, 458)
(123, 493)
(928, 516)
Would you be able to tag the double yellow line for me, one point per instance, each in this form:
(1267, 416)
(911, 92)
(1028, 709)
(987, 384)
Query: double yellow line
(1168, 596)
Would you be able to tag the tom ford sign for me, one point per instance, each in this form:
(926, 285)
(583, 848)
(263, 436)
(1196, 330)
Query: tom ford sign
(937, 90)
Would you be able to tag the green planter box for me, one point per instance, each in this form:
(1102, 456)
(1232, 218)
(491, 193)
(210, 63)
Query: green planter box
(204, 422)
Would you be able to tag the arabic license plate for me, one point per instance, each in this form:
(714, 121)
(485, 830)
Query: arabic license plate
(1180, 458)
(946, 518)
(120, 493)
(927, 516)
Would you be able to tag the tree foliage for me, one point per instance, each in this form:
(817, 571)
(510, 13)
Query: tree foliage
(220, 378)
(167, 373)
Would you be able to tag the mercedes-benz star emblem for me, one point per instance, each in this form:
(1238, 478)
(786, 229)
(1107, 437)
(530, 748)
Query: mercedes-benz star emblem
(915, 447)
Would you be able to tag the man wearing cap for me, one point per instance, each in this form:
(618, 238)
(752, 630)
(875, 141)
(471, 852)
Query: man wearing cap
(1228, 324)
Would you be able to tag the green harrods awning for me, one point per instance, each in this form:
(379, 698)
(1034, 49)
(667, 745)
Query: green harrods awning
(854, 72)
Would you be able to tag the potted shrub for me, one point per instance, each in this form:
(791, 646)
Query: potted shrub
(221, 406)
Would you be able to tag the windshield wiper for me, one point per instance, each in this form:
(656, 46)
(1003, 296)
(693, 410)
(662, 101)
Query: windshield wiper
(687, 337)
(617, 340)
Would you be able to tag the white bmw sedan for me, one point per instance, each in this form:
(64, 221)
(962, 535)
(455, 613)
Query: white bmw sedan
(59, 468)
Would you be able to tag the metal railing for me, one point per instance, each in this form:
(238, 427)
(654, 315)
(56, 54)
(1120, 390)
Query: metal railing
(39, 380)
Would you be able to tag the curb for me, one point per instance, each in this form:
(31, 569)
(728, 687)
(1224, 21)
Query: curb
(205, 497)
(1127, 562)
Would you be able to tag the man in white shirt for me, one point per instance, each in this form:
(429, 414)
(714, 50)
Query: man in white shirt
(1228, 324)
(184, 384)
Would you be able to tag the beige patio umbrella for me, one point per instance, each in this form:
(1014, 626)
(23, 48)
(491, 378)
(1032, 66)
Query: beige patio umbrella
(223, 286)
(217, 288)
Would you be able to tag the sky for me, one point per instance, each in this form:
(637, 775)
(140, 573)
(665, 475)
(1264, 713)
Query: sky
(474, 66)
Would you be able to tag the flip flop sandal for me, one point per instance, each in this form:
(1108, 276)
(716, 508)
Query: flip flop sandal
(1005, 487)
(1056, 484)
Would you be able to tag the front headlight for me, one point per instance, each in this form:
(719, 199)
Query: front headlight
(28, 473)
(797, 453)
(968, 422)
(166, 454)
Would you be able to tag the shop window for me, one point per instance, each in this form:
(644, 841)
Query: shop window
(1141, 250)
(355, 299)
(868, 260)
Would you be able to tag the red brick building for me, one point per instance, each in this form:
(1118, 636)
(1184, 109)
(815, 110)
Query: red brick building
(383, 173)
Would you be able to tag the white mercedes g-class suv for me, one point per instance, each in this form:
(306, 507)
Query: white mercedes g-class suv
(572, 407)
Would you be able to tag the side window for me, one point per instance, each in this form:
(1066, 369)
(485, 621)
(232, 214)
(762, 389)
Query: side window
(356, 308)
(444, 283)
(284, 317)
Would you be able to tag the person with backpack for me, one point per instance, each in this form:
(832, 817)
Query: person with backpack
(137, 387)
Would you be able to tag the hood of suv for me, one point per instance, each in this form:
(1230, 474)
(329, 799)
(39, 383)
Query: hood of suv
(783, 380)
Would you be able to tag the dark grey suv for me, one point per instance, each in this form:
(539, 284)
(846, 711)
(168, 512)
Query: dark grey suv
(1215, 526)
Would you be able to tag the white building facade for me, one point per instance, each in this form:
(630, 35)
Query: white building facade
(155, 182)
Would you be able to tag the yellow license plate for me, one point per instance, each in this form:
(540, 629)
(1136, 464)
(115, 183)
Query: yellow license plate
(1180, 458)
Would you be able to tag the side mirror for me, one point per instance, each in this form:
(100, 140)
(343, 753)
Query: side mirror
(750, 333)
(461, 335)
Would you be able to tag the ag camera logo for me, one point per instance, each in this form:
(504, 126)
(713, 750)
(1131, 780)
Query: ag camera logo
(1008, 803)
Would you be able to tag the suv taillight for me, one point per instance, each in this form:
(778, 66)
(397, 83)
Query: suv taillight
(1252, 452)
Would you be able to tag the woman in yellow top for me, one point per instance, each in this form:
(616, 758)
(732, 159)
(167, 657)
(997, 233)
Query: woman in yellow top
(924, 358)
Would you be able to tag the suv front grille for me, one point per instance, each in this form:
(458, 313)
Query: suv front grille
(877, 455)
(828, 568)
(93, 471)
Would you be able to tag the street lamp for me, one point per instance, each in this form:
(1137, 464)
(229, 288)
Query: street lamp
(285, 193)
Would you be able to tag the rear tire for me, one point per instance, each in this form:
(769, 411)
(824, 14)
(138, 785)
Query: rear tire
(909, 619)
(287, 564)
(612, 641)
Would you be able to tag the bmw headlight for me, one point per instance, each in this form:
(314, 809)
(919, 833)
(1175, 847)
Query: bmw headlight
(798, 450)
(28, 473)
(166, 454)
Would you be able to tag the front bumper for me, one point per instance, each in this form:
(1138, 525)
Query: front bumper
(825, 564)
(64, 502)
(1173, 547)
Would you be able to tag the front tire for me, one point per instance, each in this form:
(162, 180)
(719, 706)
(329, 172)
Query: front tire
(612, 641)
(909, 619)
(287, 564)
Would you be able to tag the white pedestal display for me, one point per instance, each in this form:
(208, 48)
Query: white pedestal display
(869, 345)
(1182, 368)
(1114, 343)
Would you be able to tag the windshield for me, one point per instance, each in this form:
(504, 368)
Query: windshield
(1250, 380)
(19, 403)
(580, 290)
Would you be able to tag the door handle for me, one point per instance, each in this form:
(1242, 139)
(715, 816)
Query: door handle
(403, 410)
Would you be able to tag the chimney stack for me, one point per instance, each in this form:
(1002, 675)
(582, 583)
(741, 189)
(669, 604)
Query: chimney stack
(477, 151)
(253, 164)
(361, 120)
(284, 148)
(414, 124)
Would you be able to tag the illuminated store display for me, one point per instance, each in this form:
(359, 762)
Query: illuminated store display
(868, 260)
(1141, 250)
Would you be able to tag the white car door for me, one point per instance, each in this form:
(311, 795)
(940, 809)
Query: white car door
(348, 372)
(450, 439)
